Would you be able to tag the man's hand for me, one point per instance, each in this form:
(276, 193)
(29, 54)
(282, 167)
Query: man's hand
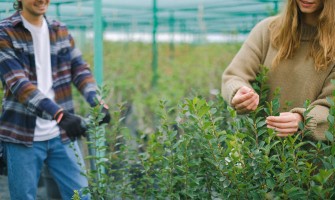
(245, 100)
(285, 124)
(107, 116)
(72, 124)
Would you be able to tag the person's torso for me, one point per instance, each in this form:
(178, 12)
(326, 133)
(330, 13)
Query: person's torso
(17, 123)
(44, 129)
(296, 78)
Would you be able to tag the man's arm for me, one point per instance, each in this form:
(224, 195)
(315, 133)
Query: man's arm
(12, 73)
(82, 77)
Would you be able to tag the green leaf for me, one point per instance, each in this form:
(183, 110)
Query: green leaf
(295, 193)
(232, 112)
(270, 183)
(301, 126)
(195, 101)
(261, 132)
(250, 121)
(226, 183)
(330, 101)
(331, 119)
(218, 119)
(323, 176)
(203, 111)
(223, 178)
(207, 124)
(213, 111)
(329, 136)
(261, 124)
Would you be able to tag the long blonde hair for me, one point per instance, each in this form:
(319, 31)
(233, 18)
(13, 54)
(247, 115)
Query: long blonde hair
(286, 34)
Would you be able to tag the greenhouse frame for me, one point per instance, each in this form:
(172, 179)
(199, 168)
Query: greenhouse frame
(188, 20)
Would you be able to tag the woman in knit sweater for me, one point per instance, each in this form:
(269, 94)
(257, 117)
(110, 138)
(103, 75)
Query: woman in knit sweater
(298, 47)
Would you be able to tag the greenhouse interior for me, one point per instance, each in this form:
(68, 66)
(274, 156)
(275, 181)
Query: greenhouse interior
(158, 65)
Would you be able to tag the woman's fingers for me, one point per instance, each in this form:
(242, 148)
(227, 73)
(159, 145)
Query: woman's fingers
(245, 100)
(284, 120)
(285, 124)
(288, 124)
(240, 98)
(283, 117)
(283, 130)
(248, 102)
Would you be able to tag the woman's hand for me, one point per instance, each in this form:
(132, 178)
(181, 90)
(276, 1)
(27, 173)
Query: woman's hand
(245, 100)
(285, 124)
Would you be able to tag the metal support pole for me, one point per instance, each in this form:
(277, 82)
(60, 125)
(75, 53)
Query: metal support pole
(98, 72)
(154, 46)
(201, 23)
(82, 37)
(58, 11)
(98, 42)
(276, 7)
(171, 28)
(182, 29)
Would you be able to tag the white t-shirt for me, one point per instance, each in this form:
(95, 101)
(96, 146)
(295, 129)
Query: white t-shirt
(45, 129)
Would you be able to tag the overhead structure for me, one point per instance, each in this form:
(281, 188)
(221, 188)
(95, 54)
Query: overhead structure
(187, 16)
(152, 20)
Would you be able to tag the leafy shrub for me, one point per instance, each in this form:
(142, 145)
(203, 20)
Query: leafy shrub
(192, 70)
(210, 152)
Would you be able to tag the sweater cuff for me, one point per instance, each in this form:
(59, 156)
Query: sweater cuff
(48, 108)
(91, 98)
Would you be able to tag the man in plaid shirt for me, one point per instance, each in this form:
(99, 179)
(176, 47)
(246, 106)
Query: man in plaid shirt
(38, 64)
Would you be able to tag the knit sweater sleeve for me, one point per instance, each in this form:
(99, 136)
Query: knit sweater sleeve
(246, 64)
(318, 115)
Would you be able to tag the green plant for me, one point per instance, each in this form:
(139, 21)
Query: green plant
(76, 195)
(201, 149)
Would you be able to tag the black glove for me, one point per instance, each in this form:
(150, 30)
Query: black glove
(73, 125)
(107, 116)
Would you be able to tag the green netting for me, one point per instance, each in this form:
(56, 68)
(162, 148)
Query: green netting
(188, 20)
(187, 16)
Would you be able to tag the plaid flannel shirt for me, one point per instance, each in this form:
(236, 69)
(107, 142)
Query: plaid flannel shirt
(22, 101)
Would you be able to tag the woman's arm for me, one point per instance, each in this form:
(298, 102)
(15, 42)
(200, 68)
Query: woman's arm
(246, 64)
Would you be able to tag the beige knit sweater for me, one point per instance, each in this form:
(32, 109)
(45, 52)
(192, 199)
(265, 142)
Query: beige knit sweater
(296, 77)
